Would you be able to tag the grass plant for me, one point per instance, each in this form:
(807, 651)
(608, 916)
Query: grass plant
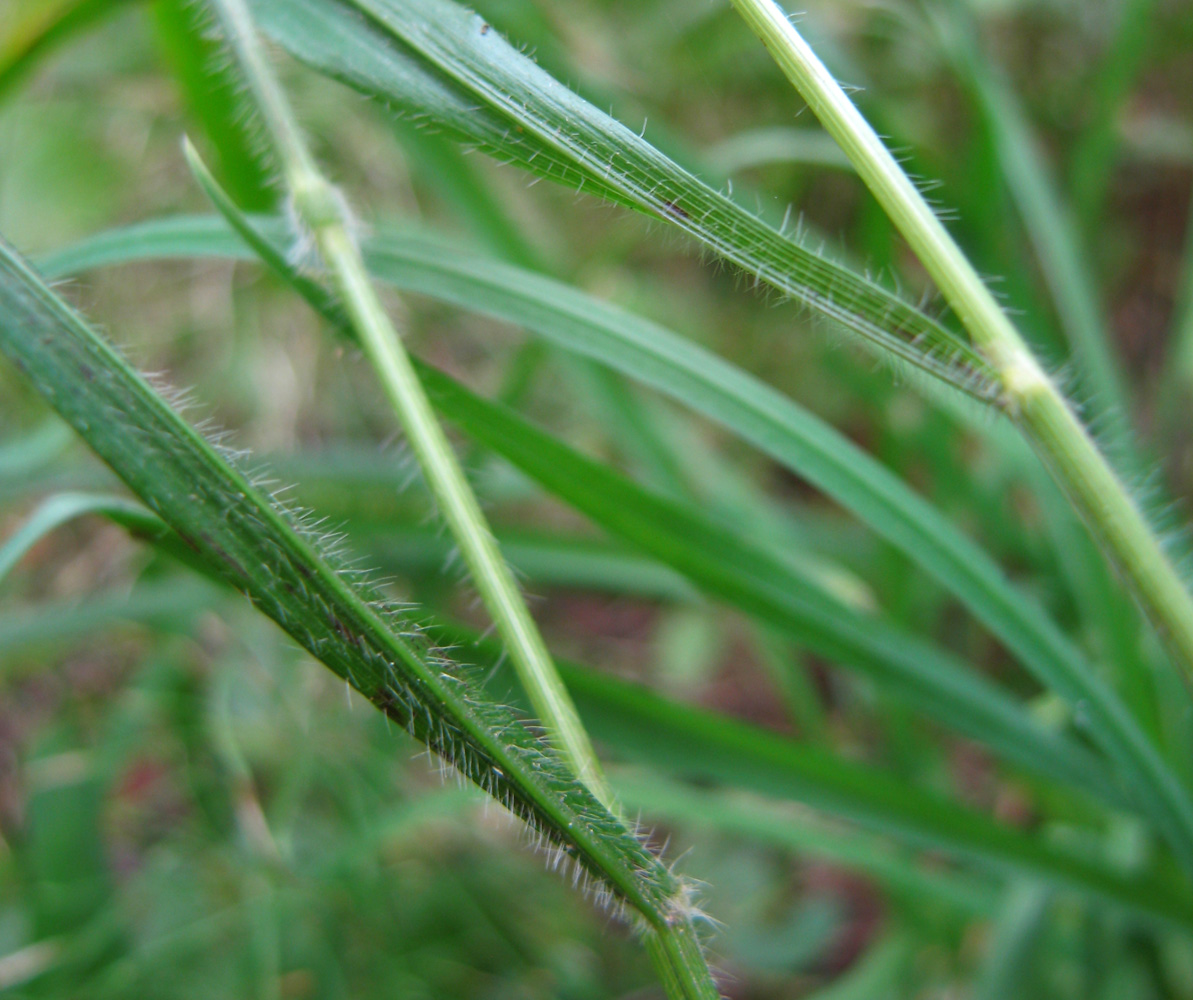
(912, 626)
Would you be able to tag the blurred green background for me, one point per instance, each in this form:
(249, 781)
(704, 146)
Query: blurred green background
(191, 807)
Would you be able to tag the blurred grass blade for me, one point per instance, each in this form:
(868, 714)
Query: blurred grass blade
(729, 567)
(61, 508)
(884, 971)
(1179, 380)
(212, 96)
(249, 542)
(437, 61)
(645, 351)
(796, 829)
(1053, 236)
(23, 457)
(61, 851)
(33, 29)
(21, 966)
(456, 178)
(764, 146)
(58, 510)
(1007, 967)
(544, 559)
(50, 624)
(705, 747)
(1095, 156)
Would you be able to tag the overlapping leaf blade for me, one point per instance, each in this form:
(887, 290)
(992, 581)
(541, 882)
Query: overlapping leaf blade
(645, 351)
(717, 559)
(706, 746)
(442, 63)
(249, 542)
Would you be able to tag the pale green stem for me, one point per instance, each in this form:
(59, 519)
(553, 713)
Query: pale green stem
(671, 940)
(1031, 398)
(320, 209)
(460, 509)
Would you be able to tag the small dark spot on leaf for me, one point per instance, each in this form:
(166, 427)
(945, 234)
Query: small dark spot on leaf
(345, 633)
(484, 29)
(238, 572)
(190, 542)
(673, 208)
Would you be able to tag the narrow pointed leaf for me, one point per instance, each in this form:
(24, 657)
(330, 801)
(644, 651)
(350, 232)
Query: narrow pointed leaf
(444, 64)
(250, 543)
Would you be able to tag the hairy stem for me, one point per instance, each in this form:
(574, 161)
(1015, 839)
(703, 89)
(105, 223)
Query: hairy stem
(672, 943)
(321, 209)
(1032, 399)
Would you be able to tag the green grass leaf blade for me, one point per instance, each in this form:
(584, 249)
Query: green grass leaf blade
(36, 627)
(61, 508)
(731, 568)
(1054, 238)
(1010, 954)
(251, 545)
(883, 971)
(544, 560)
(780, 144)
(792, 828)
(1096, 154)
(438, 61)
(708, 747)
(212, 95)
